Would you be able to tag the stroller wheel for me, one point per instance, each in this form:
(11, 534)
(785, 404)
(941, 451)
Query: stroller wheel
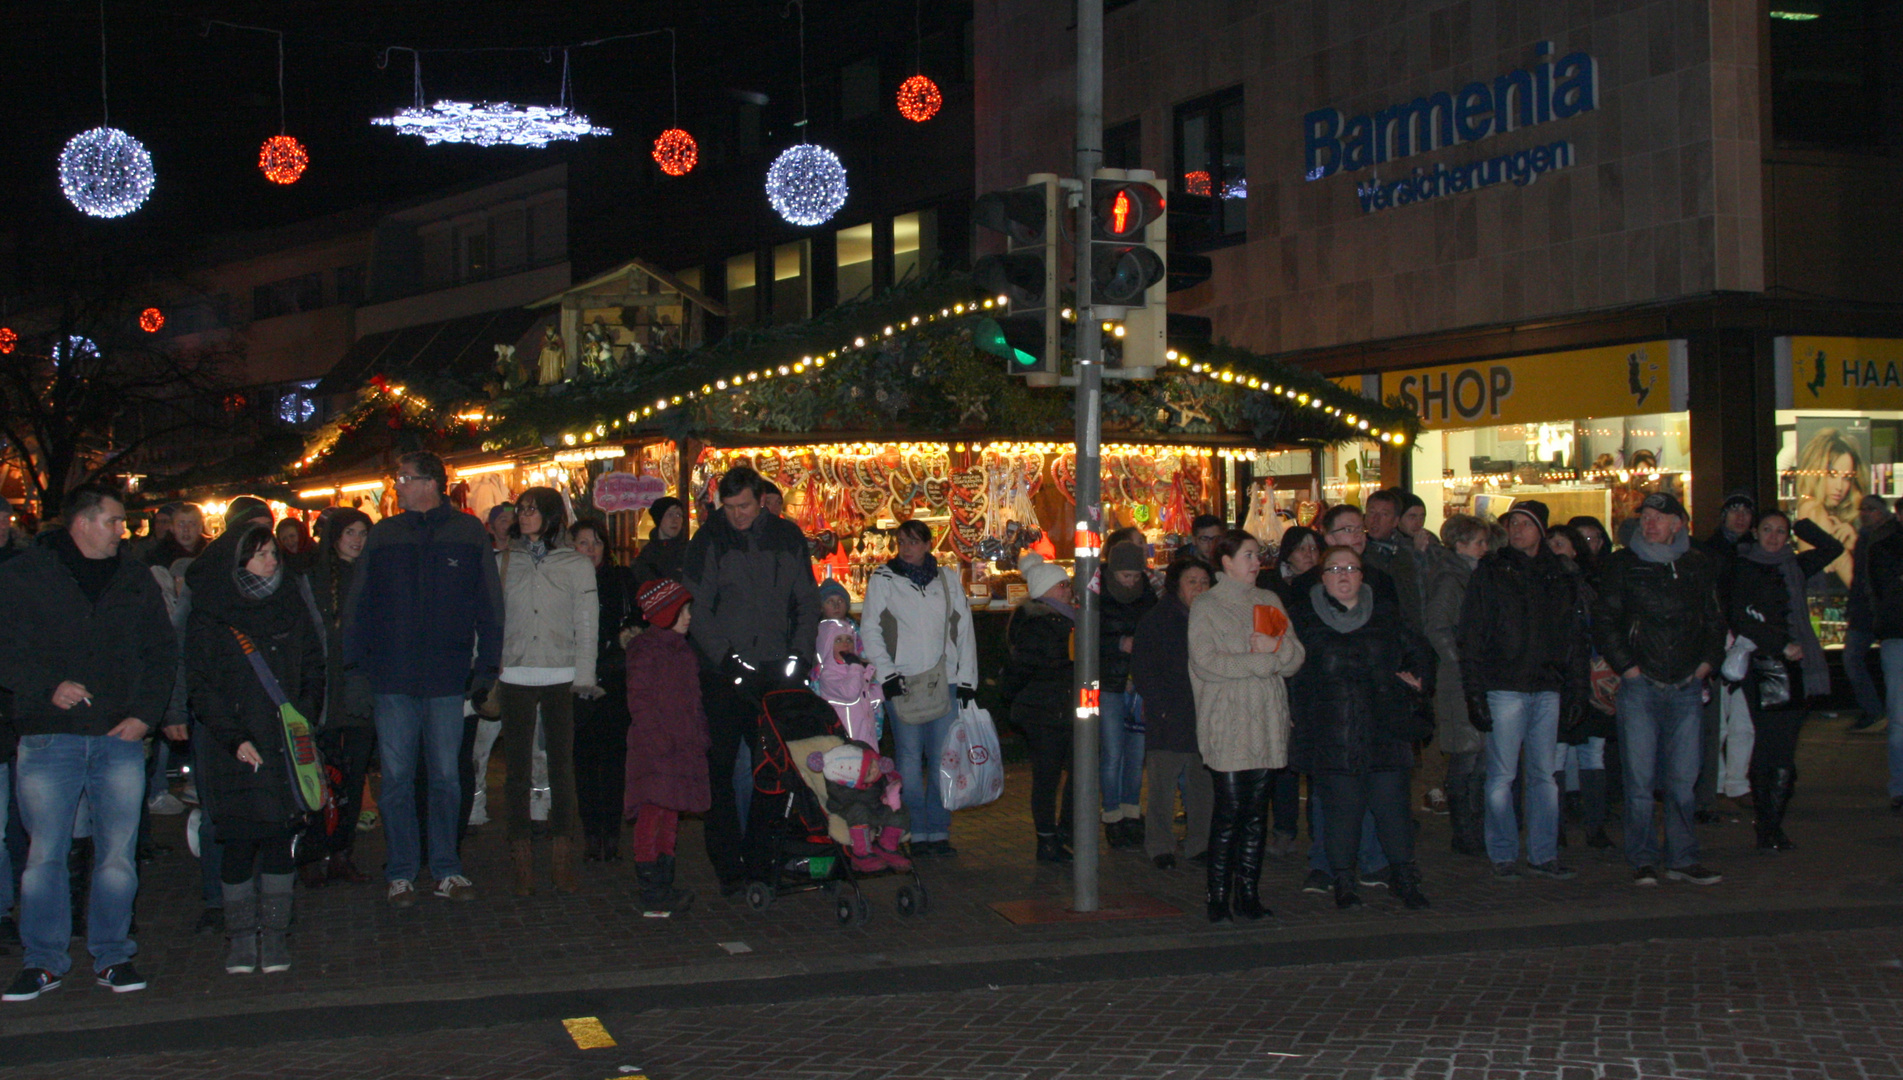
(759, 895)
(842, 909)
(910, 901)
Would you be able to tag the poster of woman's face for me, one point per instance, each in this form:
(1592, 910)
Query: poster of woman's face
(1830, 478)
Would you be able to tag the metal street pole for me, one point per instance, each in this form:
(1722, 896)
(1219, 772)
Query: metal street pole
(1089, 530)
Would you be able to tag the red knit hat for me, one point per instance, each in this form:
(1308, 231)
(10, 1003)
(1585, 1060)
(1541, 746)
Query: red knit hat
(661, 601)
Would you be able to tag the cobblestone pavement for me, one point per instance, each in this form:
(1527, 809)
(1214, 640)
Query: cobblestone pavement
(412, 984)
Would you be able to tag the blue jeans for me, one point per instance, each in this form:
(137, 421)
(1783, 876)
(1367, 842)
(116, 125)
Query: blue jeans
(1659, 745)
(1120, 761)
(1373, 860)
(1588, 755)
(1523, 740)
(410, 729)
(917, 747)
(52, 772)
(6, 857)
(1893, 687)
(1857, 669)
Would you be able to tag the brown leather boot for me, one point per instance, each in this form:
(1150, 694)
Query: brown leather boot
(522, 856)
(563, 854)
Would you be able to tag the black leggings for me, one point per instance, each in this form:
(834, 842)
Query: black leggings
(245, 858)
(601, 759)
(1348, 797)
(1050, 762)
(1776, 745)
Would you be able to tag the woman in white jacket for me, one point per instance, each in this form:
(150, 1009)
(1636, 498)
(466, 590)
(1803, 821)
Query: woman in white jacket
(916, 626)
(1242, 718)
(548, 660)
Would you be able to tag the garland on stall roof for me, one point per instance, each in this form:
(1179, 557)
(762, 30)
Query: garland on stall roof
(434, 416)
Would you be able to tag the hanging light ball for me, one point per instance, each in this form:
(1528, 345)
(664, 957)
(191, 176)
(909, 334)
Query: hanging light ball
(919, 99)
(105, 172)
(282, 159)
(676, 152)
(806, 184)
(8, 340)
(151, 320)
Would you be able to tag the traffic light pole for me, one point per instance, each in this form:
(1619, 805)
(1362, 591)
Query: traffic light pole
(1084, 783)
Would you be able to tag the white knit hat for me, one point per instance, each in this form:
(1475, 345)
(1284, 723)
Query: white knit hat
(1040, 576)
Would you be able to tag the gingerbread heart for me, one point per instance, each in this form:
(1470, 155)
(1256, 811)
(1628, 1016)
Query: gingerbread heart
(967, 534)
(869, 500)
(937, 491)
(969, 479)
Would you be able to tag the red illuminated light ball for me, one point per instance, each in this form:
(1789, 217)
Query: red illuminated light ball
(8, 339)
(676, 152)
(282, 159)
(919, 99)
(151, 320)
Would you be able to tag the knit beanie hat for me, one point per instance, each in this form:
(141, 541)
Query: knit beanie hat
(849, 763)
(662, 505)
(829, 587)
(1040, 576)
(1534, 509)
(661, 601)
(1125, 556)
(1739, 497)
(243, 509)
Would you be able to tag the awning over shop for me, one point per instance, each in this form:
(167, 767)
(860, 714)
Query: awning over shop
(463, 349)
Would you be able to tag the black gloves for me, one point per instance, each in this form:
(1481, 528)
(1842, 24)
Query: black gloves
(966, 695)
(894, 687)
(1572, 717)
(1478, 714)
(479, 687)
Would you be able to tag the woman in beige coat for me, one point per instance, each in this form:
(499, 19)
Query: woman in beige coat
(548, 660)
(1242, 718)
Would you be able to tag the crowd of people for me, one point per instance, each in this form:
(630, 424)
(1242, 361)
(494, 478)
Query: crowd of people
(1546, 668)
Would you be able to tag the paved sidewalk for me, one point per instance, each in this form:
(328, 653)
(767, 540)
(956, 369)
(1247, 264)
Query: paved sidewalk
(351, 949)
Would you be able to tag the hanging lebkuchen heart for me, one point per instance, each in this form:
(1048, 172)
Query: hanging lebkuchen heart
(1033, 465)
(869, 500)
(903, 490)
(1064, 472)
(767, 464)
(937, 492)
(1133, 489)
(1192, 488)
(967, 503)
(969, 479)
(967, 534)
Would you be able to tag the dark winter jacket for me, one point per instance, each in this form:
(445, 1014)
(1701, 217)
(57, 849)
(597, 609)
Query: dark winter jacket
(1444, 583)
(347, 697)
(1352, 714)
(1394, 557)
(1860, 610)
(1116, 621)
(1723, 548)
(232, 703)
(614, 590)
(1037, 677)
(425, 605)
(1160, 665)
(1757, 603)
(1884, 571)
(1371, 575)
(754, 594)
(168, 551)
(1522, 629)
(660, 558)
(1662, 618)
(667, 741)
(122, 648)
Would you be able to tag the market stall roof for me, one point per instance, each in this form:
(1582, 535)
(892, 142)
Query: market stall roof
(598, 291)
(462, 349)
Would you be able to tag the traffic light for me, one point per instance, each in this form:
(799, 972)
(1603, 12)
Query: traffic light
(1129, 267)
(1027, 333)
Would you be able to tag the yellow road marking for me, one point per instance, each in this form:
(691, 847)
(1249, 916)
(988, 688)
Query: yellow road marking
(588, 1033)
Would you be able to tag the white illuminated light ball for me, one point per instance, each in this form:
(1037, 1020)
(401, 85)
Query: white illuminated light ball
(806, 184)
(105, 172)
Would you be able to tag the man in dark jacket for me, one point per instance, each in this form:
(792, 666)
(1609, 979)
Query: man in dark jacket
(1392, 552)
(90, 657)
(1736, 515)
(1874, 522)
(1523, 663)
(424, 600)
(756, 618)
(1880, 568)
(1658, 624)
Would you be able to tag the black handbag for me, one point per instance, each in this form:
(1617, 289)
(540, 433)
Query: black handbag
(1773, 680)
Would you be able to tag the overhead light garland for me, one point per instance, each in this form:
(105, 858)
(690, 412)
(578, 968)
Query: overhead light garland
(806, 184)
(105, 172)
(491, 123)
(675, 150)
(919, 99)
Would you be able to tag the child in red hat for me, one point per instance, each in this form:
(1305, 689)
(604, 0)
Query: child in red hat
(667, 742)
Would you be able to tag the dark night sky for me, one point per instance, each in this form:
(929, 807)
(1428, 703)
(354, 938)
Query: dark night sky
(202, 102)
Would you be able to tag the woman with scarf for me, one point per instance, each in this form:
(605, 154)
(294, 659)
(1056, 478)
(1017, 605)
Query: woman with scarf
(1037, 689)
(348, 732)
(1127, 597)
(916, 628)
(1237, 667)
(549, 642)
(1357, 704)
(662, 555)
(601, 724)
(243, 602)
(1765, 604)
(1159, 667)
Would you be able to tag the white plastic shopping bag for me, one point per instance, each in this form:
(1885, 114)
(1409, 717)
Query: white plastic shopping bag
(971, 770)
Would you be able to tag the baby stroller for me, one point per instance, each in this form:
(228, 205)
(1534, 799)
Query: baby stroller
(802, 847)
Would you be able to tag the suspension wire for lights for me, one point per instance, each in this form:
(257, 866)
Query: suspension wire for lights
(919, 97)
(806, 184)
(105, 172)
(675, 150)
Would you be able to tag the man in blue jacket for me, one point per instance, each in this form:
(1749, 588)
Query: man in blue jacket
(426, 602)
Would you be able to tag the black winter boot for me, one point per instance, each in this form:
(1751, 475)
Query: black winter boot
(274, 922)
(1592, 807)
(1778, 786)
(679, 899)
(1345, 895)
(1051, 850)
(1406, 880)
(241, 927)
